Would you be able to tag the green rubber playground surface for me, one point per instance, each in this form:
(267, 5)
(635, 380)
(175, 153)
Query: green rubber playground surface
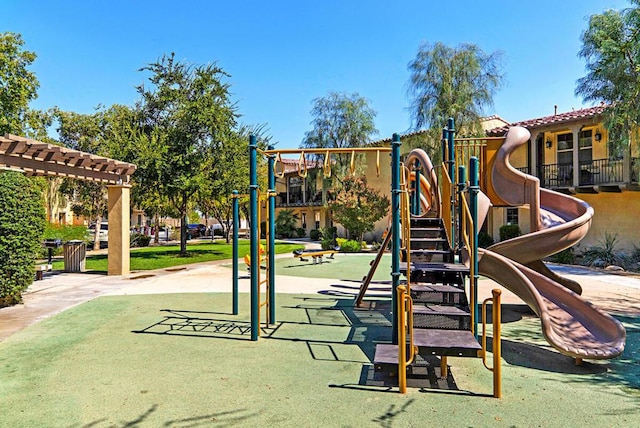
(182, 360)
(346, 267)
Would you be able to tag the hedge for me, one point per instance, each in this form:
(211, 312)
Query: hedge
(22, 220)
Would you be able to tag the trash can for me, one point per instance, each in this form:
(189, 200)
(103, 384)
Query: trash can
(75, 254)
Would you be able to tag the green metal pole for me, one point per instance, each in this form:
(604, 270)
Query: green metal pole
(236, 220)
(416, 206)
(452, 175)
(474, 188)
(272, 237)
(462, 179)
(395, 230)
(254, 237)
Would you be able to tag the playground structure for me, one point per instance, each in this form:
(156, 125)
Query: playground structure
(435, 218)
(316, 255)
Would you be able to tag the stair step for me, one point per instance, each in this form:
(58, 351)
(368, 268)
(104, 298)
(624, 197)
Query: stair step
(441, 317)
(426, 222)
(385, 354)
(457, 343)
(437, 267)
(441, 294)
(429, 251)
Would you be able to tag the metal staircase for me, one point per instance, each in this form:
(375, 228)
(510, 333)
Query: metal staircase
(437, 300)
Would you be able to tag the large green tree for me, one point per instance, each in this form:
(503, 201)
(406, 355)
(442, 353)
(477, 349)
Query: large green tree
(457, 82)
(84, 132)
(18, 85)
(187, 108)
(357, 207)
(611, 49)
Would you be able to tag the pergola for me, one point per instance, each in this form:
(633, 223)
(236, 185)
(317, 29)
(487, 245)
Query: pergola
(36, 158)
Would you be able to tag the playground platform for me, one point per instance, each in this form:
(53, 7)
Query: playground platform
(160, 348)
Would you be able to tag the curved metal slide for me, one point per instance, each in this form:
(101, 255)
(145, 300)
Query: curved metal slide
(570, 324)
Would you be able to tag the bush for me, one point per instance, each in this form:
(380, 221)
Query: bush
(566, 257)
(349, 246)
(139, 240)
(22, 221)
(301, 232)
(604, 253)
(509, 231)
(64, 232)
(485, 240)
(329, 238)
(315, 235)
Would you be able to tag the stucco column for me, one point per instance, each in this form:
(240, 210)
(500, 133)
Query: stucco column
(119, 225)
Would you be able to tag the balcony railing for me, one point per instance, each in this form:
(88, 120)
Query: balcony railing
(299, 200)
(596, 172)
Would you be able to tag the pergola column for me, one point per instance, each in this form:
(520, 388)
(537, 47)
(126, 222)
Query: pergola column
(119, 225)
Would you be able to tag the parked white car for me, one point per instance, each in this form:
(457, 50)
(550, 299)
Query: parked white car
(103, 234)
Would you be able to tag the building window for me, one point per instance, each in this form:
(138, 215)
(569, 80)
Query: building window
(512, 216)
(585, 145)
(565, 148)
(295, 190)
(317, 220)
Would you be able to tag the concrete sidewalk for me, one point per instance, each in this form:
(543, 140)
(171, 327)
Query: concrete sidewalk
(58, 291)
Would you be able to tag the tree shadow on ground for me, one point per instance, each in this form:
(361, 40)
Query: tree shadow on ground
(213, 419)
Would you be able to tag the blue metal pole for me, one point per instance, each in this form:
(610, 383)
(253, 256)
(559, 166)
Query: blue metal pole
(254, 237)
(236, 220)
(474, 188)
(395, 230)
(272, 237)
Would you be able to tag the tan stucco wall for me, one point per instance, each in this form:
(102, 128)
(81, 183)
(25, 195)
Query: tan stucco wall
(613, 213)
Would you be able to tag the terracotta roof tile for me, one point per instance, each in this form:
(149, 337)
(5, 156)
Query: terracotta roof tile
(551, 120)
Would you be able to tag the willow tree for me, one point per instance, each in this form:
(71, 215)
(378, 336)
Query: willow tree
(340, 121)
(457, 82)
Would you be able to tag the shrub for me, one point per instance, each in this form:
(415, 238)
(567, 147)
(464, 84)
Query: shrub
(329, 238)
(22, 221)
(485, 240)
(604, 253)
(315, 235)
(286, 223)
(140, 240)
(64, 232)
(509, 231)
(566, 257)
(349, 246)
(301, 232)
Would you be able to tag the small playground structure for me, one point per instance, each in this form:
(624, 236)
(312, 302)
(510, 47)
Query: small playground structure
(436, 212)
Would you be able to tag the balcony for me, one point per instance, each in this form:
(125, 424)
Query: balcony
(297, 199)
(599, 172)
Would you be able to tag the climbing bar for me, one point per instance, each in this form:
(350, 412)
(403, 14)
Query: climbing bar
(279, 172)
(405, 319)
(352, 164)
(303, 171)
(496, 342)
(377, 163)
(326, 170)
(325, 150)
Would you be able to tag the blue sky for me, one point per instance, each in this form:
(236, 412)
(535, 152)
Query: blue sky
(281, 55)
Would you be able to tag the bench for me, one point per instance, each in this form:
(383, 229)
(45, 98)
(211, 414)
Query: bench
(40, 270)
(315, 255)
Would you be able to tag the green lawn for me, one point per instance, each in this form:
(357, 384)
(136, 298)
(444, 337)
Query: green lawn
(149, 258)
